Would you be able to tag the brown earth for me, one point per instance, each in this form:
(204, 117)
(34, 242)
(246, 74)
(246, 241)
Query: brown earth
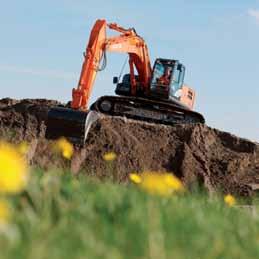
(198, 154)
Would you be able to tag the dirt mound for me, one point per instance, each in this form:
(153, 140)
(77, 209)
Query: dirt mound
(196, 153)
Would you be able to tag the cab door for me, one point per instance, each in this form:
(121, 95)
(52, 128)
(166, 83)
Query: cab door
(158, 89)
(177, 81)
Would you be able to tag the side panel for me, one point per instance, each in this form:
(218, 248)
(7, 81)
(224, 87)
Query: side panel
(187, 96)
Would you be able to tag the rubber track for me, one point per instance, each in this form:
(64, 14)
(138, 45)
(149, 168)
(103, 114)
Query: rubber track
(175, 114)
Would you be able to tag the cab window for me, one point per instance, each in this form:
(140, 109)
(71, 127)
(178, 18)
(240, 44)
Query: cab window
(158, 72)
(176, 76)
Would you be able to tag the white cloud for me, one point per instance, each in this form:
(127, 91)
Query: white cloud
(37, 72)
(255, 14)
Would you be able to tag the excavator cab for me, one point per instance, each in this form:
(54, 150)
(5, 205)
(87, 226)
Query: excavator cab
(166, 82)
(167, 79)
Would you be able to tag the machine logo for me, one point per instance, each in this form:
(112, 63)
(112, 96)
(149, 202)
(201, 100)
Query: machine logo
(117, 46)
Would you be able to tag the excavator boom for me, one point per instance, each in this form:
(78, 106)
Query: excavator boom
(127, 42)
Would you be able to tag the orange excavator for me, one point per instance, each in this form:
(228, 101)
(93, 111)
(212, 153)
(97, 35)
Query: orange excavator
(156, 95)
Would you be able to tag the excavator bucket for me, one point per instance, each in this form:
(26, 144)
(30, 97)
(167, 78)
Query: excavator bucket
(71, 124)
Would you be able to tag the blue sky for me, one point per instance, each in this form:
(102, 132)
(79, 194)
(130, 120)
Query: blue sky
(218, 41)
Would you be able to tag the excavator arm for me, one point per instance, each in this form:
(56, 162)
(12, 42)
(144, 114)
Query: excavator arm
(127, 42)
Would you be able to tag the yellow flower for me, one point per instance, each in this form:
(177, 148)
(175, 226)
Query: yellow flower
(173, 182)
(4, 212)
(135, 178)
(23, 148)
(158, 183)
(230, 200)
(65, 147)
(14, 172)
(110, 156)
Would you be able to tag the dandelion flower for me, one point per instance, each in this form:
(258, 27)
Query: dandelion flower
(135, 178)
(4, 212)
(110, 156)
(65, 147)
(14, 172)
(154, 183)
(173, 182)
(157, 183)
(230, 200)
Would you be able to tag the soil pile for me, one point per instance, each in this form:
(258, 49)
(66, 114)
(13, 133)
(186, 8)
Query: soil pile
(199, 155)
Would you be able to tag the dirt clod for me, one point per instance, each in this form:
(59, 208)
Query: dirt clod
(198, 154)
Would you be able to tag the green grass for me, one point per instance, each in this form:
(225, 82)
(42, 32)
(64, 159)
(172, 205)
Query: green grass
(63, 217)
